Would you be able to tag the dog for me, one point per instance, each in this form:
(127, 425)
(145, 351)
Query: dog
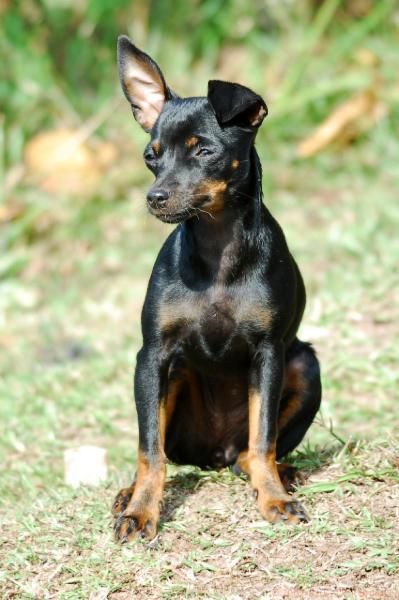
(221, 378)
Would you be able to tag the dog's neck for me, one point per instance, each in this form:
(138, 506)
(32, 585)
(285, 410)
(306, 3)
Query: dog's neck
(219, 243)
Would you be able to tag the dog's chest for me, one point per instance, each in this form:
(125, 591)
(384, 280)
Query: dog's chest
(208, 313)
(215, 319)
(218, 322)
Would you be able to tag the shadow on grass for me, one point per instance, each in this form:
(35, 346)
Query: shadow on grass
(311, 459)
(180, 486)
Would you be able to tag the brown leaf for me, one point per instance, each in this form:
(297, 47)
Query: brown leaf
(61, 163)
(350, 118)
(10, 211)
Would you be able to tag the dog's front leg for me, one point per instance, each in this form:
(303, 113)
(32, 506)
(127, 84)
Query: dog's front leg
(137, 508)
(259, 460)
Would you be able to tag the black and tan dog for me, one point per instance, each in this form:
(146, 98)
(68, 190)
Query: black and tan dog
(221, 378)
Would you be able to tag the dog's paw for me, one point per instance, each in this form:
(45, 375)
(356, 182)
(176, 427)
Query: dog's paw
(283, 510)
(121, 501)
(129, 527)
(290, 476)
(133, 520)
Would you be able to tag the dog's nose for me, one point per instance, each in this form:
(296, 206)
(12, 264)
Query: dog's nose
(157, 198)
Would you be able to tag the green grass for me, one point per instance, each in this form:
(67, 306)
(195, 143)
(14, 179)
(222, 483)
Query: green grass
(212, 541)
(73, 274)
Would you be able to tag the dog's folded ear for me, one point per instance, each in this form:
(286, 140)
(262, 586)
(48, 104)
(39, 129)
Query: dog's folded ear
(235, 104)
(142, 82)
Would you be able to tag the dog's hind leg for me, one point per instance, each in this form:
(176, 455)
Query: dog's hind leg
(301, 397)
(259, 459)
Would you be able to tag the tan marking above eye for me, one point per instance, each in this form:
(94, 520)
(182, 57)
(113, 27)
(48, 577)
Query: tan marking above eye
(191, 141)
(235, 164)
(156, 146)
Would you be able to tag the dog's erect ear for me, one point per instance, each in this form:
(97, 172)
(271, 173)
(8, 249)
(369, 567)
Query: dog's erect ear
(235, 104)
(142, 82)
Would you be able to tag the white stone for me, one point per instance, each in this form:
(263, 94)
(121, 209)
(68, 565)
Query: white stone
(85, 465)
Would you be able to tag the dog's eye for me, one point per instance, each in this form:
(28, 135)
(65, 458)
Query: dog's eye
(203, 152)
(149, 156)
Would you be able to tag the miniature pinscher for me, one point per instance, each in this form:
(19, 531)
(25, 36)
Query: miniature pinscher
(221, 378)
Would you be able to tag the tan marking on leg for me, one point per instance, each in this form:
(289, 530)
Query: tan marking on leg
(141, 514)
(254, 407)
(235, 164)
(122, 499)
(295, 383)
(293, 405)
(137, 508)
(273, 501)
(168, 406)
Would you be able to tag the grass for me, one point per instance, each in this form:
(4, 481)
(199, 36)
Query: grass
(66, 380)
(73, 276)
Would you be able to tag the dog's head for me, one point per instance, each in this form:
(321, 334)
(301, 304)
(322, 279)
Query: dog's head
(200, 147)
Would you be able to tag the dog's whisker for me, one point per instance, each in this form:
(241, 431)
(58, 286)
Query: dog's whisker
(205, 211)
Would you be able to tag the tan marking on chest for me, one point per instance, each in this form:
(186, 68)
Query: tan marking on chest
(171, 313)
(261, 315)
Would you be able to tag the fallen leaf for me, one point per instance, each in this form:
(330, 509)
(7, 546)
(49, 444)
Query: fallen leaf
(348, 120)
(10, 211)
(60, 162)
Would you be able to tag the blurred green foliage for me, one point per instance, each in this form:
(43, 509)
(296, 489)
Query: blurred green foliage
(58, 56)
(58, 70)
